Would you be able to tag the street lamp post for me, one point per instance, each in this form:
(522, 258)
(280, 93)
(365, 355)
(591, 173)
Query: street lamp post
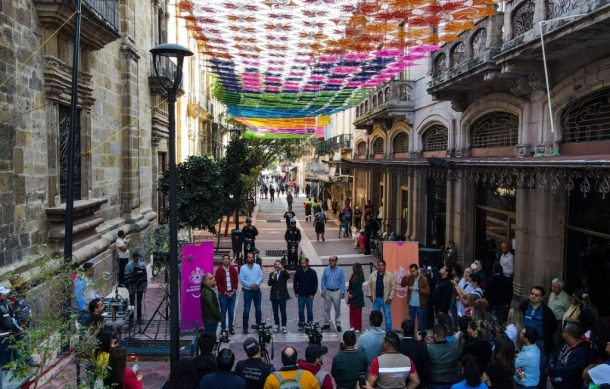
(235, 133)
(167, 51)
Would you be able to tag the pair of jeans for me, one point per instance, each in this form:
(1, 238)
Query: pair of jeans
(138, 302)
(227, 304)
(211, 327)
(380, 305)
(305, 302)
(421, 314)
(355, 317)
(348, 229)
(279, 304)
(332, 298)
(249, 297)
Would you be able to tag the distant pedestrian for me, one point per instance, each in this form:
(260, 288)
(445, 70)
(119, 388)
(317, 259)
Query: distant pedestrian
(272, 193)
(210, 310)
(357, 218)
(333, 291)
(289, 215)
(319, 224)
(289, 199)
(334, 205)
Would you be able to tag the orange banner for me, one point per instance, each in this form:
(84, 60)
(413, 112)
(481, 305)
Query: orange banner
(399, 256)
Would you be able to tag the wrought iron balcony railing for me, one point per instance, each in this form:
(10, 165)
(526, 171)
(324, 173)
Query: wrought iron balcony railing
(106, 10)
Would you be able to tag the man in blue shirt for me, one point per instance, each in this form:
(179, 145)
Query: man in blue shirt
(527, 363)
(370, 342)
(333, 290)
(83, 292)
(537, 315)
(251, 277)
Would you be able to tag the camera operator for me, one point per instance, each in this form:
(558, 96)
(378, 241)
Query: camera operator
(254, 370)
(349, 366)
(137, 282)
(249, 233)
(205, 362)
(313, 364)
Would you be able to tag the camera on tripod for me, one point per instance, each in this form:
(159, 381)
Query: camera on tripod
(313, 333)
(224, 337)
(264, 333)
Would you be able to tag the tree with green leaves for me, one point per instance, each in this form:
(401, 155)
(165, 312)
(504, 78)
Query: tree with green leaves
(201, 193)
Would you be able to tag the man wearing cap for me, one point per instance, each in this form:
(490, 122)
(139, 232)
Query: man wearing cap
(8, 326)
(313, 364)
(251, 277)
(83, 292)
(254, 370)
(210, 311)
(291, 372)
(392, 369)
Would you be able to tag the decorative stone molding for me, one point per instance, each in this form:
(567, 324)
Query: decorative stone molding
(536, 81)
(521, 87)
(195, 111)
(58, 82)
(97, 29)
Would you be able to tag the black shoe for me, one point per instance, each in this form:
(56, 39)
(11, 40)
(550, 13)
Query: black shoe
(301, 327)
(232, 331)
(326, 327)
(245, 330)
(339, 329)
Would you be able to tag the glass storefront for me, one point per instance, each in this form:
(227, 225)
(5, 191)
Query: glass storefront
(587, 263)
(436, 212)
(495, 222)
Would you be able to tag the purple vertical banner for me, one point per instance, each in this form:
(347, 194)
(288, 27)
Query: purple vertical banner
(197, 259)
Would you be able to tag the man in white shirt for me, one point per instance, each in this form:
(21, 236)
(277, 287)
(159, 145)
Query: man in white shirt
(123, 255)
(507, 260)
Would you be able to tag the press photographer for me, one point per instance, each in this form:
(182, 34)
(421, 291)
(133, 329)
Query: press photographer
(137, 282)
(313, 333)
(264, 338)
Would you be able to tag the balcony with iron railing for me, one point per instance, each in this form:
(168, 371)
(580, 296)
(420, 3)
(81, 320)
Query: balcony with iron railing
(100, 19)
(167, 72)
(322, 147)
(388, 101)
(341, 142)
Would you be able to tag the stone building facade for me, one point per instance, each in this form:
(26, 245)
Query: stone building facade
(122, 127)
(484, 162)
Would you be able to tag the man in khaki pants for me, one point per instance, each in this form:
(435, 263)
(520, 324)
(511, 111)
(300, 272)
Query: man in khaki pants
(381, 291)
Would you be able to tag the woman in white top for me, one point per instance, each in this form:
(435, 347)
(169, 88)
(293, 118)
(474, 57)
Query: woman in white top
(514, 324)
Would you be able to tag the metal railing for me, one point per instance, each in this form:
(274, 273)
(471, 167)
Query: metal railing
(106, 10)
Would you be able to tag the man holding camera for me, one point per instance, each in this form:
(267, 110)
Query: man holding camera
(210, 311)
(254, 370)
(417, 295)
(349, 366)
(137, 282)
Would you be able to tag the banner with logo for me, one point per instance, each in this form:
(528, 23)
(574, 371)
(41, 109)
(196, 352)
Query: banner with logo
(197, 259)
(398, 257)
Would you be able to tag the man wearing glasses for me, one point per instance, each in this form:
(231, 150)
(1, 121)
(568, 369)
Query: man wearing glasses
(333, 290)
(537, 315)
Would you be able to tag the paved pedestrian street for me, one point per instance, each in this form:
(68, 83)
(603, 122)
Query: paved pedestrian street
(271, 237)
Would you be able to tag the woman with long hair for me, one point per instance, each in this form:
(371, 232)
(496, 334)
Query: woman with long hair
(472, 374)
(514, 324)
(122, 377)
(499, 373)
(355, 298)
(477, 345)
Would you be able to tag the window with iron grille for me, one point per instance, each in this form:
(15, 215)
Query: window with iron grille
(587, 119)
(361, 149)
(378, 146)
(64, 131)
(361, 179)
(495, 129)
(458, 54)
(435, 138)
(401, 143)
(523, 18)
(557, 8)
(479, 43)
(440, 64)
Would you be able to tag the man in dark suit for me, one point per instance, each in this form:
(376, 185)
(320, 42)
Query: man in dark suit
(416, 350)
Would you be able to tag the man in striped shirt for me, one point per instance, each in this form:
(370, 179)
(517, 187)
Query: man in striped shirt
(333, 290)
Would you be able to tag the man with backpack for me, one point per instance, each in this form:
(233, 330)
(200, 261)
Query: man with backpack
(290, 376)
(313, 364)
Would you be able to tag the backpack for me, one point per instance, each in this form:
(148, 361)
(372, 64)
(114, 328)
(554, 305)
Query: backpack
(320, 376)
(290, 383)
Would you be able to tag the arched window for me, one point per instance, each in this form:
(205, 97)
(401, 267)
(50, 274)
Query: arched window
(458, 54)
(366, 106)
(435, 138)
(361, 148)
(387, 93)
(380, 97)
(374, 101)
(378, 146)
(400, 143)
(523, 18)
(479, 42)
(357, 111)
(587, 119)
(440, 64)
(495, 129)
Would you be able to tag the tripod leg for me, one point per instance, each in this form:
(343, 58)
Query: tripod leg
(165, 301)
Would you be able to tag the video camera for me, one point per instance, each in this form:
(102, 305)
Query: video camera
(264, 333)
(313, 333)
(137, 276)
